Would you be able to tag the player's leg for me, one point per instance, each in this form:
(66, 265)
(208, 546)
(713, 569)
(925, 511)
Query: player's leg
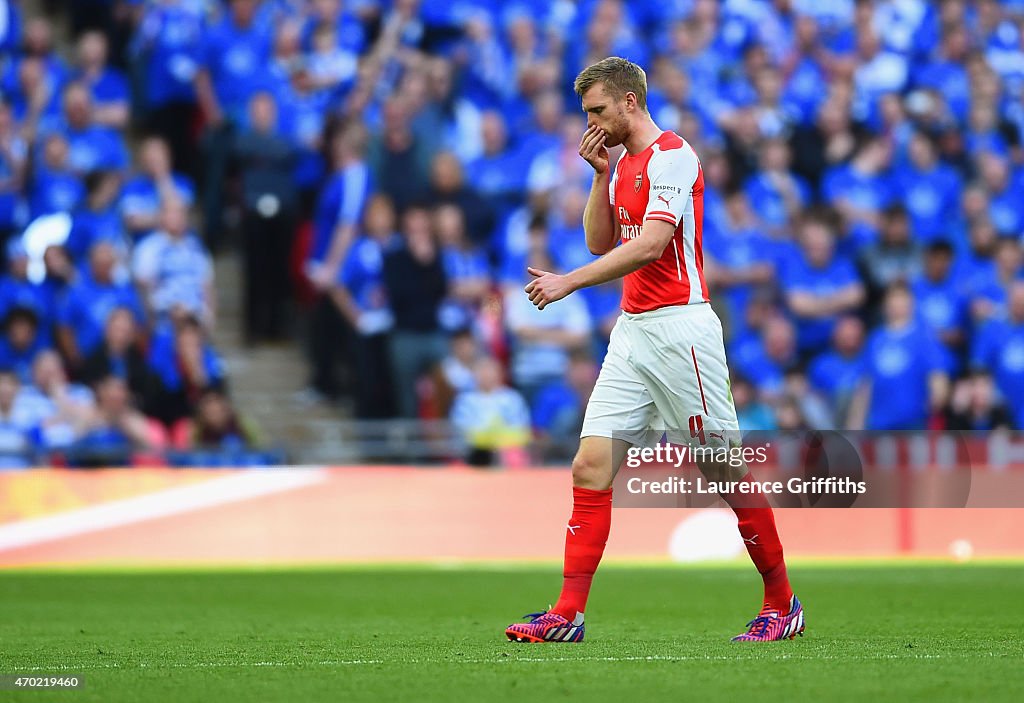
(618, 415)
(781, 614)
(693, 395)
(586, 534)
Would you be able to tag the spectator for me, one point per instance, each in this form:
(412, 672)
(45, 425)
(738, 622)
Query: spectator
(331, 66)
(456, 369)
(567, 240)
(303, 116)
(339, 209)
(989, 295)
(59, 275)
(38, 44)
(56, 407)
(941, 300)
(121, 354)
(166, 47)
(734, 258)
(819, 285)
(448, 187)
(775, 194)
(154, 184)
(902, 354)
(270, 207)
(400, 161)
(998, 349)
(974, 406)
(20, 343)
(416, 285)
(767, 357)
(448, 120)
(542, 340)
(361, 298)
(945, 73)
(184, 365)
(55, 186)
(114, 431)
(107, 86)
(789, 417)
(751, 413)
(492, 417)
(34, 95)
(172, 269)
(837, 372)
(465, 266)
(861, 189)
(16, 290)
(217, 425)
(232, 59)
(19, 443)
(814, 407)
(13, 155)
(559, 408)
(91, 145)
(976, 266)
(826, 145)
(896, 256)
(560, 163)
(85, 309)
(98, 219)
(340, 206)
(499, 173)
(929, 189)
(1005, 207)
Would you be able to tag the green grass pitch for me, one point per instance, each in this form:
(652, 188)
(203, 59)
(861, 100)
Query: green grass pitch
(882, 632)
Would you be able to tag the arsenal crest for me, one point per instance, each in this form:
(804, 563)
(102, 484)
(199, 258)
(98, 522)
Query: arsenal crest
(638, 181)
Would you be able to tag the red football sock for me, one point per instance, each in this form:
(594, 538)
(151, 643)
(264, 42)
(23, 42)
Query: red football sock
(585, 537)
(757, 528)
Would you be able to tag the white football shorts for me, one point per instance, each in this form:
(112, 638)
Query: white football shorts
(665, 371)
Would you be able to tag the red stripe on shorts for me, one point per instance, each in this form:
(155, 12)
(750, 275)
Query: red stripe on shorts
(700, 386)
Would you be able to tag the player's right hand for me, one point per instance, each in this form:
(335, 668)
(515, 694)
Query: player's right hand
(593, 150)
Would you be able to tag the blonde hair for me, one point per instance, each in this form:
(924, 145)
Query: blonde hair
(619, 76)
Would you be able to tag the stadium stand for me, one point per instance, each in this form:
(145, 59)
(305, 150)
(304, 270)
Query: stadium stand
(387, 170)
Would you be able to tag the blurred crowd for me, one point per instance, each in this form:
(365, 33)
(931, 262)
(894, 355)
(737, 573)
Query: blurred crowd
(390, 167)
(106, 295)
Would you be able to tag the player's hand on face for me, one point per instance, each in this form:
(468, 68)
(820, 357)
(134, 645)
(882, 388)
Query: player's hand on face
(546, 288)
(593, 150)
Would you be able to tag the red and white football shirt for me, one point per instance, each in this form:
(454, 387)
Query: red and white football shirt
(664, 182)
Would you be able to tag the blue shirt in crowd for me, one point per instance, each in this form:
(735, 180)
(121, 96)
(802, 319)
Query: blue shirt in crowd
(341, 202)
(236, 59)
(801, 277)
(898, 363)
(999, 349)
(169, 41)
(88, 304)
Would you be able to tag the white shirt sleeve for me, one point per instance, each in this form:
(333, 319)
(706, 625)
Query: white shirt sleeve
(672, 174)
(146, 260)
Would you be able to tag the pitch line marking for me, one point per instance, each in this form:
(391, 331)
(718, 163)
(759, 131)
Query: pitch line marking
(508, 660)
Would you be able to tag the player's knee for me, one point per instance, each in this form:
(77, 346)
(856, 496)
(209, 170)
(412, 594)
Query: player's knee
(591, 471)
